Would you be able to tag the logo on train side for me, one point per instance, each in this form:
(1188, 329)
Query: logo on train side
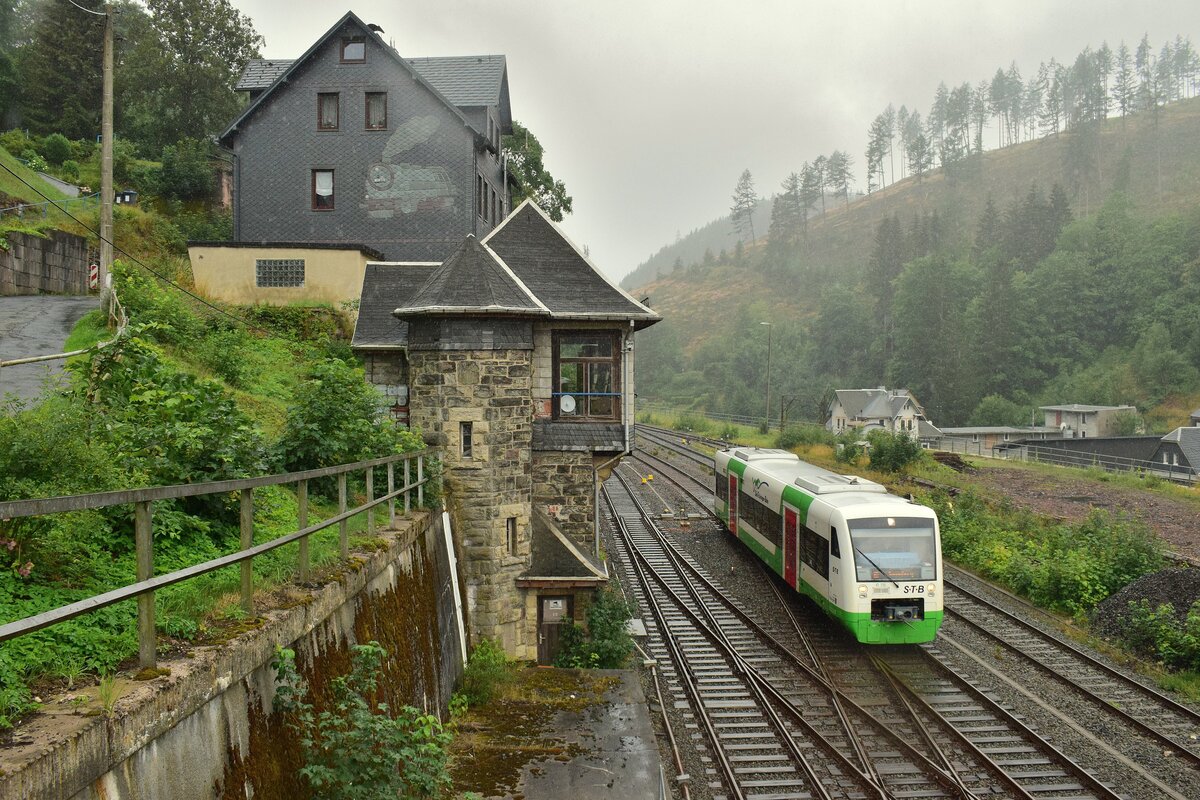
(759, 489)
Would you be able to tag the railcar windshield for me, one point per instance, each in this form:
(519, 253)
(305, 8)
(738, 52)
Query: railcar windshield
(894, 549)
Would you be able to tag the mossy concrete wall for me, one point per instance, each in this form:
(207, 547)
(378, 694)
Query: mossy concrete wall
(207, 730)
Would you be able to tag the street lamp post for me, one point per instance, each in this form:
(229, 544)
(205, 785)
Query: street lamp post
(767, 416)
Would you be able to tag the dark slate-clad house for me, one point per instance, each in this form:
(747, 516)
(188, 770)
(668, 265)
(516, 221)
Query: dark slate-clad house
(516, 356)
(1179, 452)
(353, 143)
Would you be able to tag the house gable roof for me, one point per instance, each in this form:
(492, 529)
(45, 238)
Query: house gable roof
(377, 327)
(876, 403)
(349, 18)
(472, 280)
(558, 274)
(1188, 439)
(466, 81)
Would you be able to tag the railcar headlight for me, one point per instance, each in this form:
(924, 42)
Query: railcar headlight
(932, 590)
(862, 591)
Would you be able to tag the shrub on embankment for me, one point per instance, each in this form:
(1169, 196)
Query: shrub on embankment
(1061, 566)
(188, 395)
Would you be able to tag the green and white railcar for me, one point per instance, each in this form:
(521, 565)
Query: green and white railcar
(870, 559)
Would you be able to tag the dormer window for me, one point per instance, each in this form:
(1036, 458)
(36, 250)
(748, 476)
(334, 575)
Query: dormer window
(354, 50)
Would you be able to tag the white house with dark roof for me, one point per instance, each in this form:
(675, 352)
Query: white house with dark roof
(1077, 420)
(516, 356)
(894, 410)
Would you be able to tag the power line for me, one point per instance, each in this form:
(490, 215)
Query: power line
(131, 257)
(88, 10)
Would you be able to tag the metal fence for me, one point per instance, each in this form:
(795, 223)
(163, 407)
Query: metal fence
(1057, 456)
(414, 477)
(43, 208)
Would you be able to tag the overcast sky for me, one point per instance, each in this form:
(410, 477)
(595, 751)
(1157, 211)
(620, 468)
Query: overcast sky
(649, 110)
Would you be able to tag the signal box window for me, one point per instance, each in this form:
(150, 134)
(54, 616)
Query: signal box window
(354, 50)
(376, 111)
(322, 190)
(588, 368)
(327, 111)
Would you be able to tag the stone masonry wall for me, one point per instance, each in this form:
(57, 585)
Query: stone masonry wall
(491, 390)
(562, 487)
(207, 730)
(57, 264)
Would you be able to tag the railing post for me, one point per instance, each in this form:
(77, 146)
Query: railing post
(144, 544)
(370, 499)
(343, 536)
(247, 498)
(302, 519)
(421, 481)
(391, 488)
(407, 484)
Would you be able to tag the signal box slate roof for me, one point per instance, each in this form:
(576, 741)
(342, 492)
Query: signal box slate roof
(377, 327)
(526, 267)
(472, 281)
(557, 273)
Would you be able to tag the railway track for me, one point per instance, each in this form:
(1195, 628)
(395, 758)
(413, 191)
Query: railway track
(873, 715)
(768, 724)
(921, 676)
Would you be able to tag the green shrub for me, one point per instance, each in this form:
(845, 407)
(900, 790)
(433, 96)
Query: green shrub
(1160, 634)
(892, 452)
(56, 148)
(187, 172)
(796, 435)
(606, 644)
(694, 423)
(34, 160)
(15, 141)
(69, 170)
(164, 311)
(356, 749)
(486, 672)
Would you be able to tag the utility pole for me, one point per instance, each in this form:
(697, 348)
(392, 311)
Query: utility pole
(106, 162)
(767, 416)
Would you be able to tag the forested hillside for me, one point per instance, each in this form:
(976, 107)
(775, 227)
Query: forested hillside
(1061, 269)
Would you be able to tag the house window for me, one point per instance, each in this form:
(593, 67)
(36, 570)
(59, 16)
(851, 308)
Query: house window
(511, 529)
(587, 365)
(322, 190)
(465, 439)
(287, 272)
(354, 50)
(479, 193)
(327, 111)
(376, 111)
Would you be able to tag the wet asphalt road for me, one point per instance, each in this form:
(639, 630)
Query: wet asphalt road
(34, 326)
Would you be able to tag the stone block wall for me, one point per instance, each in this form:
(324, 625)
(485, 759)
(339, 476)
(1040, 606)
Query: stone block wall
(562, 487)
(56, 264)
(490, 389)
(387, 370)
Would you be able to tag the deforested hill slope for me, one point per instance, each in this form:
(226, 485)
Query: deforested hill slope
(1158, 163)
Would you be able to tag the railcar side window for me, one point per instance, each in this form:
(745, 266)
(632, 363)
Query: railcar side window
(834, 550)
(767, 522)
(814, 551)
(722, 487)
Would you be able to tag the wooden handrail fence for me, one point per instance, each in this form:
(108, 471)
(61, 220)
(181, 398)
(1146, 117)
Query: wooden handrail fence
(415, 479)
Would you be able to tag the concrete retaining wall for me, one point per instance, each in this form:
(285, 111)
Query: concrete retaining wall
(56, 264)
(207, 730)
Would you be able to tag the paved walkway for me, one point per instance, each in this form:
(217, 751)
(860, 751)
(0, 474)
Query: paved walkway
(615, 752)
(35, 325)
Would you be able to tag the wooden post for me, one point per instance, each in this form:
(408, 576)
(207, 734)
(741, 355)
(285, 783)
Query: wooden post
(343, 536)
(144, 544)
(391, 488)
(302, 519)
(407, 484)
(247, 498)
(370, 499)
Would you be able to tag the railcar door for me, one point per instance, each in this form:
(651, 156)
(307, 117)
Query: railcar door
(790, 525)
(733, 502)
